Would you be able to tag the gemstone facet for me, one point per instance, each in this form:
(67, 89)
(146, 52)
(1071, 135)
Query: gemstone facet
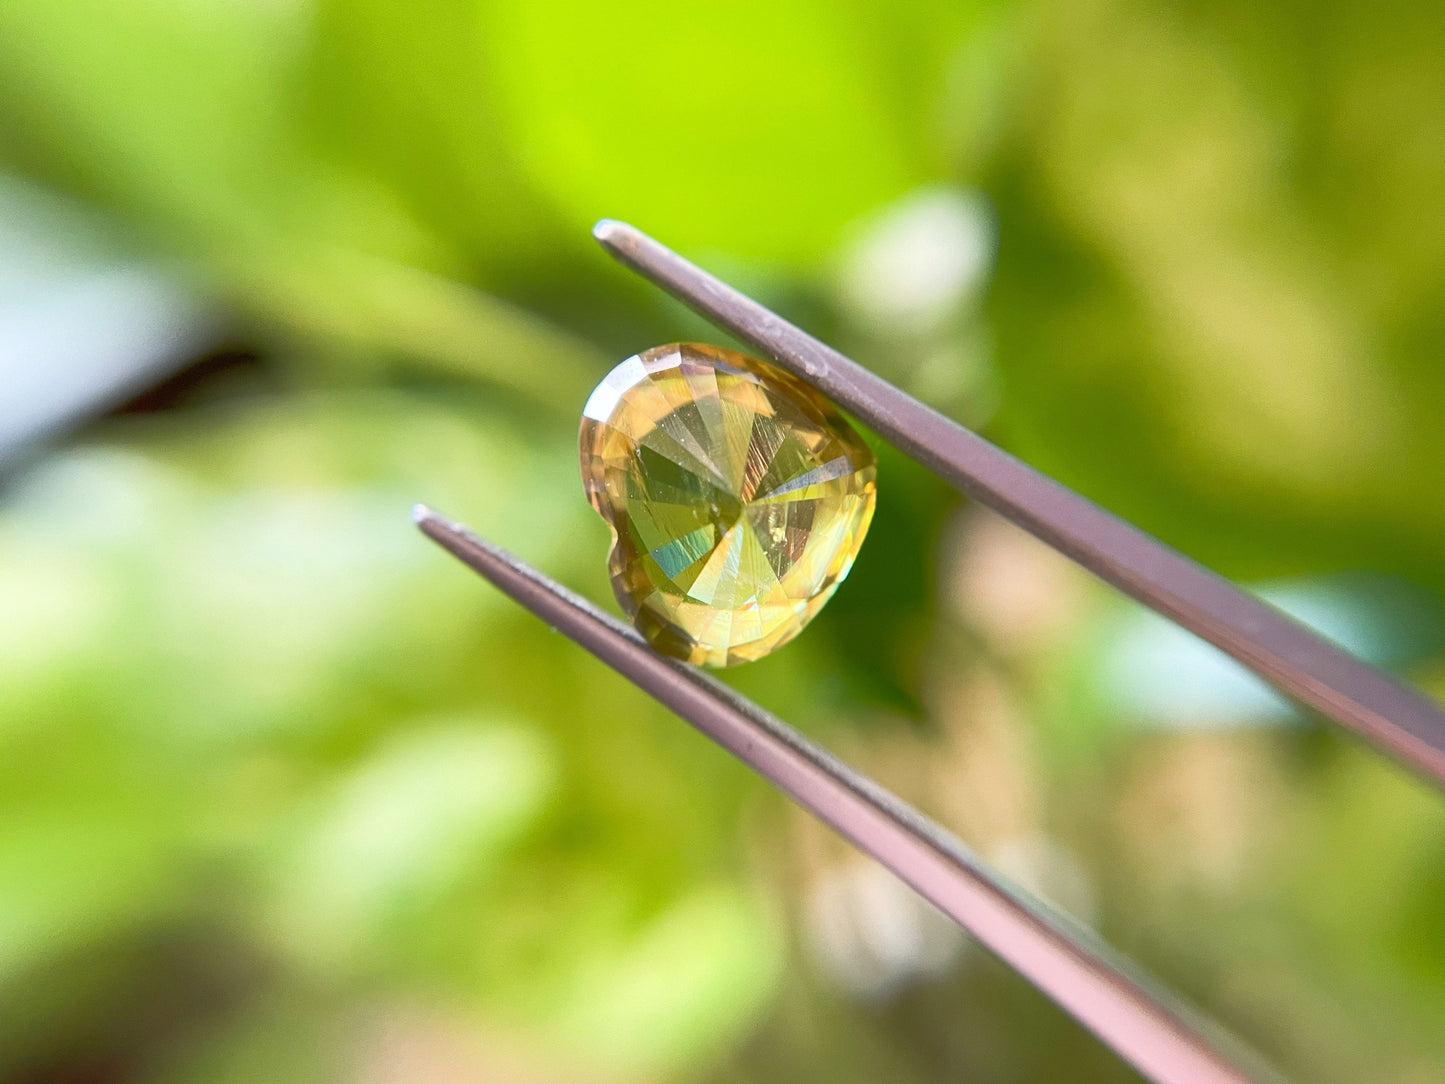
(737, 496)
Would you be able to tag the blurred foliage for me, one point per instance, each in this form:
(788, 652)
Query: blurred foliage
(287, 795)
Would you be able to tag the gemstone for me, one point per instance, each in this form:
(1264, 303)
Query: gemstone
(736, 494)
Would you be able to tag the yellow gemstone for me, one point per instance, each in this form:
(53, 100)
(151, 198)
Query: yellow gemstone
(737, 497)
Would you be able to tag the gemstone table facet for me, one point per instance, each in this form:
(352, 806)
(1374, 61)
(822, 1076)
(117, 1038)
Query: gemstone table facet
(737, 497)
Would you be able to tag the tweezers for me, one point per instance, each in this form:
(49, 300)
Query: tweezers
(1143, 1025)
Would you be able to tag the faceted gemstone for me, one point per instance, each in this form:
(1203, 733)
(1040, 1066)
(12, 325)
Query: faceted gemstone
(737, 497)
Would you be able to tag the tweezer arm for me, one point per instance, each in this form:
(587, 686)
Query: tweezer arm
(1077, 976)
(1314, 671)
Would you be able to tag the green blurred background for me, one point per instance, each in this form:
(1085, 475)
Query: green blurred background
(287, 795)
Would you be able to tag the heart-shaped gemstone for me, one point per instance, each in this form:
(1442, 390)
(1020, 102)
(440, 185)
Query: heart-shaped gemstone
(737, 497)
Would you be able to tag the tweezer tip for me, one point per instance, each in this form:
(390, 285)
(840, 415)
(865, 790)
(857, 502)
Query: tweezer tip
(438, 528)
(610, 233)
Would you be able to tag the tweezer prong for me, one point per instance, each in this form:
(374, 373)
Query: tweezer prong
(1289, 656)
(1078, 975)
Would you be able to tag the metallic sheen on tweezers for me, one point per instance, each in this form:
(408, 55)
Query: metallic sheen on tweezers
(1061, 959)
(1396, 718)
(1143, 1026)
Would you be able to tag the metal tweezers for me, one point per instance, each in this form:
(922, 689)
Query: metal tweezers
(1145, 1026)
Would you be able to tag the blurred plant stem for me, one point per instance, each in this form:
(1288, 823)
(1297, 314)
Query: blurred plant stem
(372, 307)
